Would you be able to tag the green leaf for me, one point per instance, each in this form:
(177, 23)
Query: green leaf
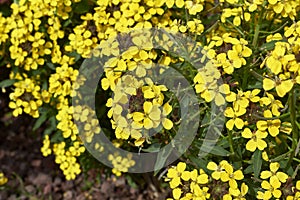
(7, 83)
(216, 150)
(268, 46)
(5, 9)
(256, 85)
(248, 170)
(130, 181)
(284, 156)
(152, 148)
(40, 121)
(162, 156)
(57, 137)
(199, 162)
(66, 23)
(52, 126)
(75, 55)
(257, 162)
(81, 7)
(50, 65)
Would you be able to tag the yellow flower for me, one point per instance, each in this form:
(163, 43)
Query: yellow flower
(272, 103)
(256, 140)
(76, 149)
(231, 176)
(202, 178)
(150, 118)
(194, 6)
(272, 190)
(17, 106)
(276, 177)
(121, 164)
(235, 121)
(239, 194)
(207, 85)
(278, 60)
(282, 87)
(222, 61)
(240, 100)
(252, 95)
(152, 91)
(175, 174)
(109, 47)
(218, 169)
(46, 150)
(272, 125)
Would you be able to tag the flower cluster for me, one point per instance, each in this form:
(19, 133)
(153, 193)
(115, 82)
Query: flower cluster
(142, 107)
(67, 158)
(121, 164)
(245, 57)
(197, 184)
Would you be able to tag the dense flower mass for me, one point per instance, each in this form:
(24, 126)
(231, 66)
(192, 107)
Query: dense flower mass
(245, 57)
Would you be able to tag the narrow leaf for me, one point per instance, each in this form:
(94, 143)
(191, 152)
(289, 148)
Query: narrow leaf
(7, 83)
(257, 162)
(40, 121)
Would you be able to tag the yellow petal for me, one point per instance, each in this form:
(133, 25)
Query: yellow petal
(155, 113)
(282, 176)
(274, 131)
(219, 99)
(284, 87)
(138, 116)
(251, 145)
(175, 182)
(212, 166)
(181, 167)
(172, 173)
(274, 65)
(148, 123)
(176, 193)
(239, 123)
(268, 84)
(274, 166)
(167, 124)
(262, 125)
(238, 175)
(247, 133)
(147, 107)
(261, 144)
(265, 174)
(167, 108)
(186, 175)
(229, 112)
(230, 124)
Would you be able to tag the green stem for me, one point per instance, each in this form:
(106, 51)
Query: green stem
(277, 30)
(271, 118)
(236, 28)
(256, 34)
(230, 142)
(257, 29)
(295, 134)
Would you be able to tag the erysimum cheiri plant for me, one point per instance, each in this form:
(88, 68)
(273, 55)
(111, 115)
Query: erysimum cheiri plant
(253, 46)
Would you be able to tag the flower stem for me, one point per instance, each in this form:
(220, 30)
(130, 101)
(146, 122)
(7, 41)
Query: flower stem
(230, 142)
(295, 134)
